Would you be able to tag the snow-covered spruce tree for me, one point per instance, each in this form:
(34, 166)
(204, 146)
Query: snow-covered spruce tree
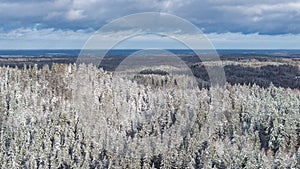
(79, 116)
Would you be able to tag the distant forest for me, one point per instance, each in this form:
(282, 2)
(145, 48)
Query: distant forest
(239, 69)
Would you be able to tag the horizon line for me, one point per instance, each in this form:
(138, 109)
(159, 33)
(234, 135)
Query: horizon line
(157, 49)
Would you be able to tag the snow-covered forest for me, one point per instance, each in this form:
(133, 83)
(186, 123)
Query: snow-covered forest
(70, 116)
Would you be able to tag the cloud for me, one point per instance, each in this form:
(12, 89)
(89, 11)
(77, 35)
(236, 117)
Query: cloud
(75, 15)
(254, 41)
(67, 19)
(264, 17)
(35, 38)
(50, 38)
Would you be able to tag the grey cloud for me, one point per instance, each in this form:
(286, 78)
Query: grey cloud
(263, 17)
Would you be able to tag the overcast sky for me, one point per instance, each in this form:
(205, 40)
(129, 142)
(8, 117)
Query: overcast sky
(248, 24)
